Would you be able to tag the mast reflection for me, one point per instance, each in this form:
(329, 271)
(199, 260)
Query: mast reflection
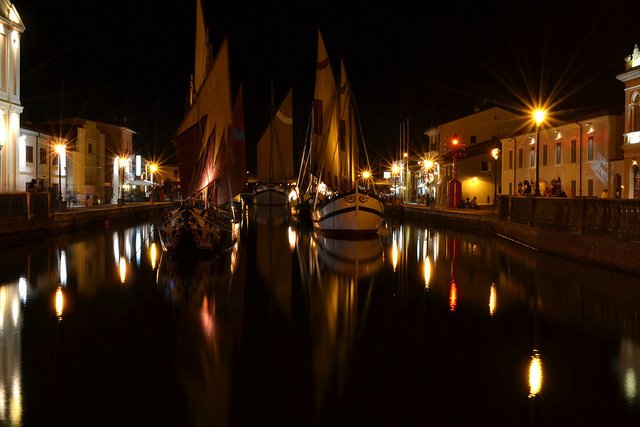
(339, 284)
(208, 299)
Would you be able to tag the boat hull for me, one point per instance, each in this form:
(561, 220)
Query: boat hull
(350, 215)
(194, 231)
(270, 196)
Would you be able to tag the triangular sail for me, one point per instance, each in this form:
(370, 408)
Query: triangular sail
(348, 142)
(201, 133)
(324, 153)
(203, 50)
(275, 148)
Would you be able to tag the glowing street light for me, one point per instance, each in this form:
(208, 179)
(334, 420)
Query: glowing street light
(538, 116)
(495, 153)
(60, 151)
(153, 168)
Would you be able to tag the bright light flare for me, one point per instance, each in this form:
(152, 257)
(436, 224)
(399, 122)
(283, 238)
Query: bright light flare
(366, 174)
(538, 116)
(122, 267)
(59, 302)
(535, 375)
(60, 149)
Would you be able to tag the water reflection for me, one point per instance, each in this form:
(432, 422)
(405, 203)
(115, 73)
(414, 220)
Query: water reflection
(10, 357)
(316, 322)
(208, 296)
(273, 249)
(338, 279)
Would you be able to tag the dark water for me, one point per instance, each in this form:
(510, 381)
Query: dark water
(418, 327)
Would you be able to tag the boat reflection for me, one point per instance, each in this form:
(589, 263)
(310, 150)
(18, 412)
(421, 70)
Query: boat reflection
(338, 280)
(273, 254)
(208, 300)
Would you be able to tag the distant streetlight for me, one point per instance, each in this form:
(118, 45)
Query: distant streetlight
(60, 150)
(495, 153)
(122, 163)
(538, 116)
(153, 168)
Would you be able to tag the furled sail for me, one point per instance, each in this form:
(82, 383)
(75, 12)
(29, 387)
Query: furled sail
(275, 148)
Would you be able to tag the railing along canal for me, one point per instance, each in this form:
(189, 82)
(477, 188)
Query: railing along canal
(613, 218)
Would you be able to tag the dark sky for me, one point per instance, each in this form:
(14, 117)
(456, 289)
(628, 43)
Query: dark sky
(423, 61)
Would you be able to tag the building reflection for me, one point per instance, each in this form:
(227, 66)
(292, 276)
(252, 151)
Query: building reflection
(11, 355)
(338, 284)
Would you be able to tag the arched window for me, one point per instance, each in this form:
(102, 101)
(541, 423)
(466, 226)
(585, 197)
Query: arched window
(635, 112)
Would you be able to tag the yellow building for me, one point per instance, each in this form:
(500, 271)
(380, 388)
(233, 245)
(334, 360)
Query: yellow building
(479, 133)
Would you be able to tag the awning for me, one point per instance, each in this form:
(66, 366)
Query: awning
(140, 182)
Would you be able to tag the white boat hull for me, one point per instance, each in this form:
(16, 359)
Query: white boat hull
(349, 215)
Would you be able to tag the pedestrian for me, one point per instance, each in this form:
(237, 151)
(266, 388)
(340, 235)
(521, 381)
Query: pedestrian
(520, 188)
(474, 203)
(526, 190)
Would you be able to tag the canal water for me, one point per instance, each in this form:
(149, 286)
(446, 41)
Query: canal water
(420, 326)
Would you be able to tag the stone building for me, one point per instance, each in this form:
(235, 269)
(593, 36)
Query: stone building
(631, 145)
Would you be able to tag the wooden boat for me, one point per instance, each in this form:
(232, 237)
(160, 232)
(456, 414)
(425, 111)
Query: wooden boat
(211, 157)
(345, 203)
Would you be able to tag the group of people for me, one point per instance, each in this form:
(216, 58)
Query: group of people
(553, 190)
(469, 204)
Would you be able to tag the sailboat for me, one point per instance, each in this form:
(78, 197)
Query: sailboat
(210, 152)
(275, 158)
(344, 201)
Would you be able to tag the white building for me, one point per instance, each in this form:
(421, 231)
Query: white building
(11, 28)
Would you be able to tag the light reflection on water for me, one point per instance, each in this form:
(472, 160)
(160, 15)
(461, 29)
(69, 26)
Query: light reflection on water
(412, 304)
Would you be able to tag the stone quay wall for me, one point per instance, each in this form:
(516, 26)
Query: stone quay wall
(28, 216)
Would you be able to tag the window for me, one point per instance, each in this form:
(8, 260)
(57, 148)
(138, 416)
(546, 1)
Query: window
(510, 159)
(484, 166)
(3, 60)
(558, 153)
(573, 151)
(43, 156)
(573, 188)
(510, 188)
(90, 148)
(544, 155)
(472, 139)
(520, 154)
(28, 157)
(532, 157)
(590, 148)
(590, 187)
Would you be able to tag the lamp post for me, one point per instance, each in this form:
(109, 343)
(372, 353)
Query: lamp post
(60, 150)
(122, 163)
(428, 164)
(153, 168)
(495, 153)
(538, 117)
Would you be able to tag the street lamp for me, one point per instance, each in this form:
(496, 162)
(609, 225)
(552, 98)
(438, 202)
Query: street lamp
(428, 164)
(122, 163)
(60, 150)
(153, 168)
(395, 171)
(495, 153)
(538, 117)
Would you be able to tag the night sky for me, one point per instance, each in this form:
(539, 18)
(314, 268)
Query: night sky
(423, 61)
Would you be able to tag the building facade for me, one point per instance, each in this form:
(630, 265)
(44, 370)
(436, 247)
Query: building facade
(584, 155)
(11, 29)
(630, 180)
(479, 133)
